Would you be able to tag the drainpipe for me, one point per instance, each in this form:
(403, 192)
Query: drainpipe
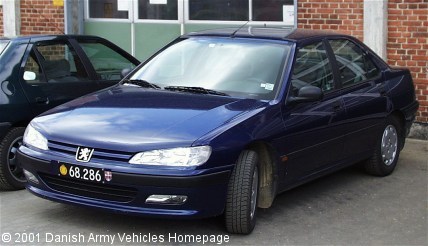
(73, 16)
(11, 18)
(376, 25)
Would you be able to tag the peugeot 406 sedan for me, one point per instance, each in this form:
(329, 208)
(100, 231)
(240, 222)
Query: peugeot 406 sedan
(220, 122)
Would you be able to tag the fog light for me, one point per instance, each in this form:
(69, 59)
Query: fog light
(30, 177)
(166, 199)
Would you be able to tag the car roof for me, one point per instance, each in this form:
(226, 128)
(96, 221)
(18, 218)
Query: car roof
(279, 33)
(46, 37)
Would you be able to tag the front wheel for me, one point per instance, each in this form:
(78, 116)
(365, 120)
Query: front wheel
(387, 149)
(11, 175)
(242, 195)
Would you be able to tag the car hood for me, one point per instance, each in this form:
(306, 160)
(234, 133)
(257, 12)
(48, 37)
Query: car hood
(134, 119)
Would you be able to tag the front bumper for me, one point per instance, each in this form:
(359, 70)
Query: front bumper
(127, 192)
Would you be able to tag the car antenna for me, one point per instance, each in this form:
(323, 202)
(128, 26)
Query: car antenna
(233, 34)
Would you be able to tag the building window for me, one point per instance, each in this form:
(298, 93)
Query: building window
(270, 10)
(157, 9)
(221, 10)
(106, 9)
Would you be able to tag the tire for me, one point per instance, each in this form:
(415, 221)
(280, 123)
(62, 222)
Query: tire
(387, 149)
(11, 176)
(242, 194)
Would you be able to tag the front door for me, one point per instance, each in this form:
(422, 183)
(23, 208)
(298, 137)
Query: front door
(54, 74)
(313, 132)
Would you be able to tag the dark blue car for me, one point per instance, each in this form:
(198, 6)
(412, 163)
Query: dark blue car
(221, 122)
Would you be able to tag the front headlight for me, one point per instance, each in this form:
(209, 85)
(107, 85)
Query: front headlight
(34, 138)
(179, 157)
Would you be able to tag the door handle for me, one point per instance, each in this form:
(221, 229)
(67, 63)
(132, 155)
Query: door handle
(42, 100)
(337, 105)
(382, 91)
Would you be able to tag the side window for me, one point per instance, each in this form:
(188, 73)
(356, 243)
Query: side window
(312, 67)
(32, 70)
(371, 70)
(60, 63)
(354, 65)
(107, 63)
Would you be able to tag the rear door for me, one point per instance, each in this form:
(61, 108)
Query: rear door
(53, 73)
(362, 89)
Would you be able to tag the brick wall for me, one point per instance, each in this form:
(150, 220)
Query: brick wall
(41, 17)
(1, 21)
(407, 33)
(408, 44)
(344, 16)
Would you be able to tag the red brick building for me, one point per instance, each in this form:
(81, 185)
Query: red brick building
(406, 41)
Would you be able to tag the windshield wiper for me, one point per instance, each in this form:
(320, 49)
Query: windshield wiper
(141, 82)
(198, 90)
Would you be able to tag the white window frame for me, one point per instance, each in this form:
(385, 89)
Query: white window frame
(133, 15)
(130, 14)
(183, 16)
(250, 16)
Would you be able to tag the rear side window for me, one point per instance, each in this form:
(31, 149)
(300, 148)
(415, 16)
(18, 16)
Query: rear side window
(312, 67)
(107, 63)
(354, 65)
(54, 62)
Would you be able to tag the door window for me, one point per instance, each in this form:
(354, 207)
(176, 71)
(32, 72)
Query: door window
(59, 61)
(354, 65)
(108, 63)
(32, 70)
(312, 67)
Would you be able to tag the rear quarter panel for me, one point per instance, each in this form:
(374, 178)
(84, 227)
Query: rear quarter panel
(401, 91)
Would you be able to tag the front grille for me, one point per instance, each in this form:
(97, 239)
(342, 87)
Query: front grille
(89, 189)
(102, 154)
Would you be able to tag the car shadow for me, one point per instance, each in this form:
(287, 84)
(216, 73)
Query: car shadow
(307, 199)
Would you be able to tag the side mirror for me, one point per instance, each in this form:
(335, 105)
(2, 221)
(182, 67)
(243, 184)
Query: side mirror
(125, 72)
(28, 75)
(307, 94)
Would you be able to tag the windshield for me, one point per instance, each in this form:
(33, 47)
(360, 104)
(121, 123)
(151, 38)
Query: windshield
(3, 44)
(237, 67)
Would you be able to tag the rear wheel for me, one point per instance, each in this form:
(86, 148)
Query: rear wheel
(242, 195)
(387, 149)
(11, 176)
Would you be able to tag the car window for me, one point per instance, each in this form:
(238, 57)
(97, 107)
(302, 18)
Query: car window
(3, 44)
(354, 65)
(32, 70)
(312, 67)
(59, 61)
(107, 63)
(237, 67)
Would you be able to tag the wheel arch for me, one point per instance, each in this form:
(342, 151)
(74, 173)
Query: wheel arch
(402, 120)
(268, 169)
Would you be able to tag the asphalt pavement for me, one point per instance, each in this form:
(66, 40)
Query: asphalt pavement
(347, 207)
